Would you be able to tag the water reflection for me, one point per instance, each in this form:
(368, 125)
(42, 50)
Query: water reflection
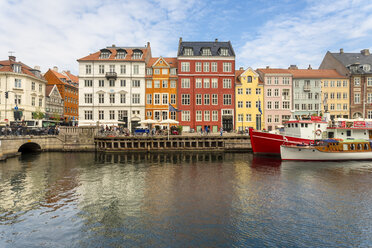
(182, 200)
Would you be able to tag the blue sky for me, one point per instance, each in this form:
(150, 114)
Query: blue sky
(274, 33)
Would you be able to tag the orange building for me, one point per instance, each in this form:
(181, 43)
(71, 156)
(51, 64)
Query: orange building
(161, 88)
(68, 87)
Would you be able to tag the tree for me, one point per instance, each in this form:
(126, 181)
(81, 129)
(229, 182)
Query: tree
(38, 115)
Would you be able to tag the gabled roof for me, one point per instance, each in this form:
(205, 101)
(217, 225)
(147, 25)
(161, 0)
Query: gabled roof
(237, 76)
(72, 77)
(64, 79)
(7, 66)
(172, 62)
(348, 59)
(50, 88)
(315, 73)
(113, 51)
(215, 47)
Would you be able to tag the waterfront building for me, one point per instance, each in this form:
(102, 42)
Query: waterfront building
(54, 104)
(68, 88)
(358, 68)
(161, 88)
(206, 91)
(277, 96)
(22, 92)
(112, 86)
(248, 100)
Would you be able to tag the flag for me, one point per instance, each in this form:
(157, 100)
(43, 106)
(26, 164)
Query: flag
(259, 106)
(173, 109)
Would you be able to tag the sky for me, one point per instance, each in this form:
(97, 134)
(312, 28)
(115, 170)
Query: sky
(275, 33)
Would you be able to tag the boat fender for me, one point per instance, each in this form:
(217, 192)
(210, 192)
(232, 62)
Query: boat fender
(318, 132)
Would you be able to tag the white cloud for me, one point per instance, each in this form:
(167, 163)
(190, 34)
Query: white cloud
(303, 38)
(48, 33)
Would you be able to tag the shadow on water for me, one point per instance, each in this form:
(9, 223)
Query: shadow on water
(266, 161)
(30, 147)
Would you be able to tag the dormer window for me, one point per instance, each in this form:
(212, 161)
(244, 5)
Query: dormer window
(137, 54)
(17, 68)
(366, 67)
(224, 52)
(188, 51)
(121, 54)
(206, 52)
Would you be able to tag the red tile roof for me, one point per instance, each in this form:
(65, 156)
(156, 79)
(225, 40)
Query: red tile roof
(171, 61)
(61, 76)
(48, 89)
(96, 56)
(273, 70)
(72, 77)
(6, 66)
(315, 73)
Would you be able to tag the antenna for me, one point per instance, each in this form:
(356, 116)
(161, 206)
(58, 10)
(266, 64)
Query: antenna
(11, 53)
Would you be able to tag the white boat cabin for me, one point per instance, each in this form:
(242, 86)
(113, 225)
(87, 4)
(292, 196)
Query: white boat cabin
(306, 129)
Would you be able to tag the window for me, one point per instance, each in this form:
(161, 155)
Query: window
(156, 71)
(17, 99)
(227, 99)
(268, 93)
(101, 115)
(206, 83)
(303, 106)
(338, 95)
(332, 106)
(112, 98)
(101, 69)
(369, 98)
(173, 84)
(185, 115)
(185, 66)
(198, 98)
(112, 68)
(206, 99)
(122, 98)
(297, 106)
(33, 86)
(286, 105)
(214, 115)
(357, 81)
(173, 115)
(276, 104)
(101, 83)
(188, 52)
(136, 98)
(17, 83)
(276, 118)
(240, 91)
(369, 81)
(332, 95)
(156, 98)
(135, 69)
(123, 69)
(214, 66)
(164, 71)
(149, 84)
(269, 105)
(112, 83)
(214, 83)
(88, 69)
(224, 52)
(198, 116)
(198, 66)
(240, 104)
(112, 114)
(248, 91)
(206, 66)
(137, 55)
(268, 80)
(338, 83)
(207, 115)
(269, 118)
(185, 83)
(157, 115)
(185, 99)
(136, 83)
(156, 84)
(206, 52)
(173, 71)
(344, 107)
(338, 106)
(122, 114)
(214, 99)
(344, 95)
(88, 114)
(33, 101)
(226, 83)
(165, 83)
(286, 80)
(276, 80)
(248, 117)
(310, 95)
(101, 98)
(297, 83)
(173, 99)
(88, 83)
(226, 67)
(258, 91)
(198, 83)
(88, 98)
(248, 104)
(276, 92)
(165, 99)
(309, 107)
(249, 79)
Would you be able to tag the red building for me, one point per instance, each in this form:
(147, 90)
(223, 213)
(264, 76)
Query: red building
(206, 77)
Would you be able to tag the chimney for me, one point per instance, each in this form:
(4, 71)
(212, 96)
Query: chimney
(12, 58)
(241, 68)
(113, 45)
(148, 44)
(68, 72)
(309, 68)
(55, 68)
(37, 67)
(341, 50)
(180, 40)
(365, 52)
(267, 67)
(293, 67)
(216, 40)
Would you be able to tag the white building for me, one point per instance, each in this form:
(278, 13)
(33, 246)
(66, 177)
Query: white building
(112, 86)
(22, 91)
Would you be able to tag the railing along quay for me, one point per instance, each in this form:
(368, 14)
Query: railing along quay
(175, 143)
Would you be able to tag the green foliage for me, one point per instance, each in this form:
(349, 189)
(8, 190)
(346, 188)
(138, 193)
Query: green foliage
(179, 128)
(38, 115)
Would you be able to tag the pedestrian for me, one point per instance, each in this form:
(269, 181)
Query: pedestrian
(206, 130)
(201, 131)
(221, 131)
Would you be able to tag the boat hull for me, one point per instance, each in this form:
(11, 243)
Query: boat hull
(312, 154)
(269, 143)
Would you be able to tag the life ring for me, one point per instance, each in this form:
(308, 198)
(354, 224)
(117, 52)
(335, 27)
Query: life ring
(318, 132)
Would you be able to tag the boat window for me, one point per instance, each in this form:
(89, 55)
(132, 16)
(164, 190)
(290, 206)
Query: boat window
(348, 133)
(302, 125)
(351, 146)
(306, 125)
(345, 147)
(318, 125)
(366, 147)
(296, 125)
(359, 146)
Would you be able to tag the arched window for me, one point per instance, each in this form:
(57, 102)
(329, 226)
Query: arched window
(357, 115)
(249, 79)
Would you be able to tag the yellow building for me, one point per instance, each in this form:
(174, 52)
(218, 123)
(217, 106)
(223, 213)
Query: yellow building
(336, 96)
(248, 100)
(161, 88)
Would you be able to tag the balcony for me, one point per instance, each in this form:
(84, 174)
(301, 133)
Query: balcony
(307, 87)
(111, 75)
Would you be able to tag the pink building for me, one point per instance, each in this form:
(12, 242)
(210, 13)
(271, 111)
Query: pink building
(277, 96)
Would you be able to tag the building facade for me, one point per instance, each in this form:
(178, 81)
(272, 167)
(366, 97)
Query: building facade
(22, 92)
(249, 100)
(358, 68)
(112, 86)
(277, 96)
(69, 90)
(206, 91)
(54, 104)
(161, 88)
(335, 96)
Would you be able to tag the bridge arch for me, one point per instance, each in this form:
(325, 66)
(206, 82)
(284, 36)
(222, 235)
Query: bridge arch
(29, 147)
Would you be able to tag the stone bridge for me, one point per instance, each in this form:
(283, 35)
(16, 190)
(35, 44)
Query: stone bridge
(69, 139)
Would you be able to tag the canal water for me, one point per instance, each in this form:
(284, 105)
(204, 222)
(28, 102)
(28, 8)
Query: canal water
(183, 200)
